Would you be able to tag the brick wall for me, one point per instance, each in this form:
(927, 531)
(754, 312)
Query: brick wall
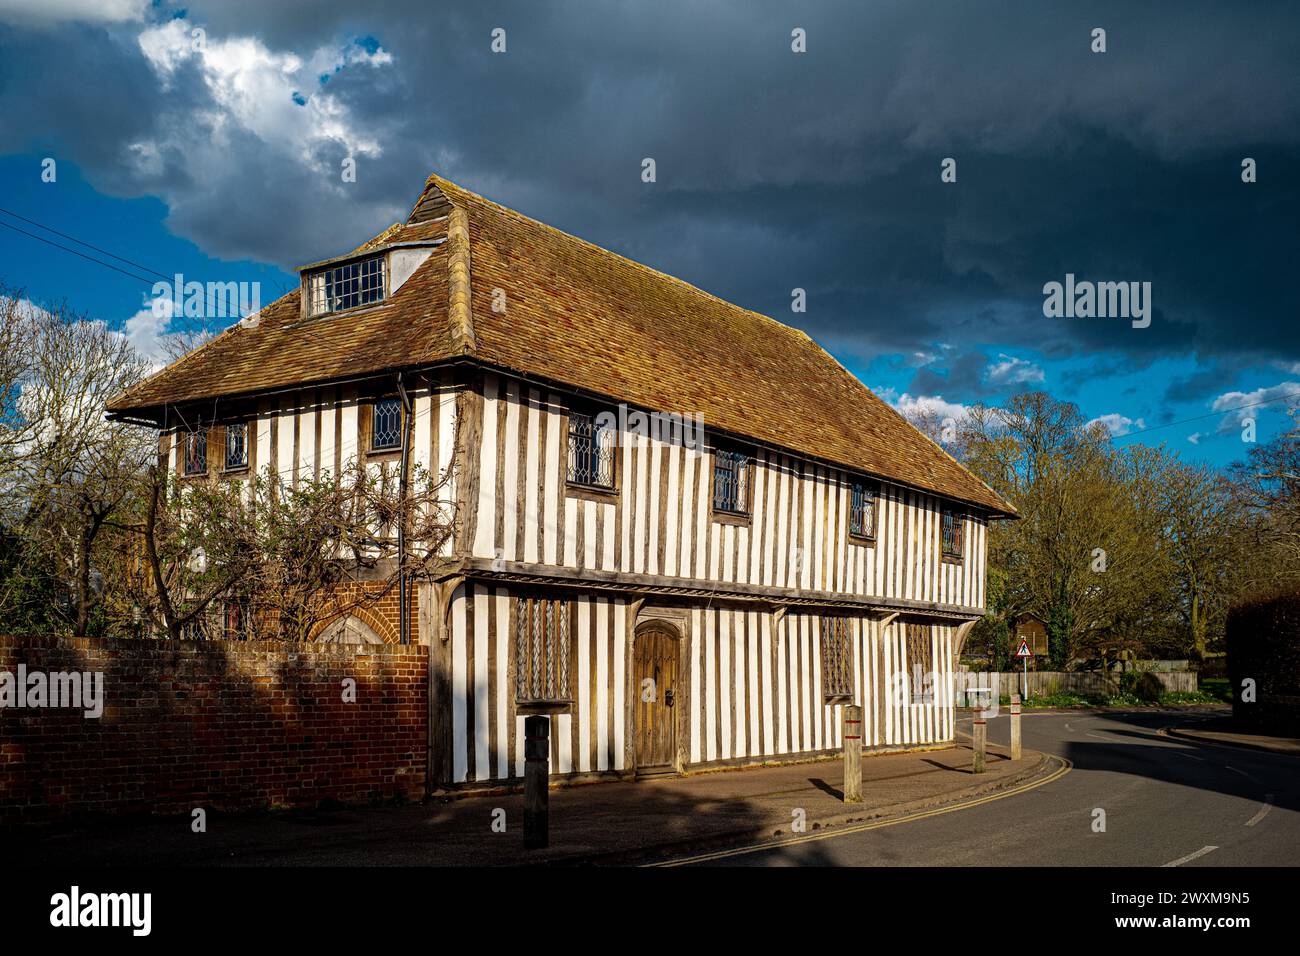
(221, 725)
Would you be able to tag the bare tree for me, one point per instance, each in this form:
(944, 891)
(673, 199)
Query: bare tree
(69, 469)
(1267, 485)
(286, 557)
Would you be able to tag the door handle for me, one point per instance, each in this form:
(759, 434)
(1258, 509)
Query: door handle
(668, 698)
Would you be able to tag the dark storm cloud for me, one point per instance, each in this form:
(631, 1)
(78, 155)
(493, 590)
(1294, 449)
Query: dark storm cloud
(775, 170)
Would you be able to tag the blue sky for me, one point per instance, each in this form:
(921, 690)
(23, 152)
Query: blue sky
(775, 170)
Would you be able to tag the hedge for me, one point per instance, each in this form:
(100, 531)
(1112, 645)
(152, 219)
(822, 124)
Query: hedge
(1263, 639)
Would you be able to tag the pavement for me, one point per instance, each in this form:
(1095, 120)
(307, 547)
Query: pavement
(606, 823)
(1221, 730)
(1133, 796)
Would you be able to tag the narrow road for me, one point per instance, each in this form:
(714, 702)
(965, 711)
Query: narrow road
(1163, 802)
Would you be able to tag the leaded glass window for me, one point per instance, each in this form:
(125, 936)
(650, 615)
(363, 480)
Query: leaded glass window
(837, 658)
(237, 445)
(542, 629)
(862, 511)
(196, 451)
(730, 481)
(346, 286)
(920, 662)
(591, 451)
(952, 530)
(386, 424)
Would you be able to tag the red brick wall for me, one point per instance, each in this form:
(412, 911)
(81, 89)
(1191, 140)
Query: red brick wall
(220, 725)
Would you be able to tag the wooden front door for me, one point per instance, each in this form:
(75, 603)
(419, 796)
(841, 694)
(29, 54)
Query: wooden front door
(655, 686)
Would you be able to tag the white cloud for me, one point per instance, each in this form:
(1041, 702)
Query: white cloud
(1195, 437)
(1117, 424)
(1239, 405)
(147, 328)
(253, 89)
(1010, 370)
(922, 407)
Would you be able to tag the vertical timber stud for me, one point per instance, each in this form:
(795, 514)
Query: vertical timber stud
(440, 595)
(979, 739)
(1015, 726)
(630, 691)
(852, 753)
(537, 771)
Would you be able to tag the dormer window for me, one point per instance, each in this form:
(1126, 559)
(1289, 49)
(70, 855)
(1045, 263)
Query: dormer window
(346, 286)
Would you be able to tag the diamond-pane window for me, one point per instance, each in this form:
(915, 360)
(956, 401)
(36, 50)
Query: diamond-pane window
(347, 286)
(920, 663)
(952, 532)
(542, 651)
(862, 511)
(196, 451)
(730, 481)
(237, 445)
(591, 451)
(386, 425)
(837, 658)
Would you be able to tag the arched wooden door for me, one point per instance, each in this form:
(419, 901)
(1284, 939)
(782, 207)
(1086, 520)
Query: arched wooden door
(654, 662)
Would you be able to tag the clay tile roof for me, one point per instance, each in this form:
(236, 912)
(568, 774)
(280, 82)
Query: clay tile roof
(584, 316)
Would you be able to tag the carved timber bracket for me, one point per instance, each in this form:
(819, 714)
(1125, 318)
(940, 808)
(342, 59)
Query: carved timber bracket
(959, 641)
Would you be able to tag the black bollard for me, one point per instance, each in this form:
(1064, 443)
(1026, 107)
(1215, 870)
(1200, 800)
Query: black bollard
(537, 774)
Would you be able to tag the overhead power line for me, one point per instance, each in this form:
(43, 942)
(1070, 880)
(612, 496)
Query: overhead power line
(81, 242)
(1291, 396)
(75, 252)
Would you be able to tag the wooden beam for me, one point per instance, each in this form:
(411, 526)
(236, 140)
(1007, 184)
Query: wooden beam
(630, 693)
(649, 585)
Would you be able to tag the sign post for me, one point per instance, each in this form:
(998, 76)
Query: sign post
(1024, 653)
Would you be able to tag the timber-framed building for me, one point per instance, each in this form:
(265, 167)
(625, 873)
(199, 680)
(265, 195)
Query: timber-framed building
(683, 527)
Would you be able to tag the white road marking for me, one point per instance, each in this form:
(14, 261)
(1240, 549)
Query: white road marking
(1263, 811)
(1192, 856)
(1184, 753)
(1242, 772)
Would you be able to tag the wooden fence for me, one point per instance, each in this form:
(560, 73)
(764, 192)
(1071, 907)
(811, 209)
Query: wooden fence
(1043, 683)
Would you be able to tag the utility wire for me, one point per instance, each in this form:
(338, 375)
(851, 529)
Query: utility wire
(108, 265)
(82, 242)
(1290, 396)
(51, 242)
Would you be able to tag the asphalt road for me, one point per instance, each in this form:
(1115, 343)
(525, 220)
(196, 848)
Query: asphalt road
(1165, 802)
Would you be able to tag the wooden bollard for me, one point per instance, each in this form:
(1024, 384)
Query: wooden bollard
(1015, 726)
(852, 753)
(537, 779)
(979, 739)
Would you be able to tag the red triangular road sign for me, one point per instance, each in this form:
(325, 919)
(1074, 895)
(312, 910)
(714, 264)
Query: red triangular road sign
(1023, 650)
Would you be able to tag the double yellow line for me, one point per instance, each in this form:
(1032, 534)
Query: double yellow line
(1063, 767)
